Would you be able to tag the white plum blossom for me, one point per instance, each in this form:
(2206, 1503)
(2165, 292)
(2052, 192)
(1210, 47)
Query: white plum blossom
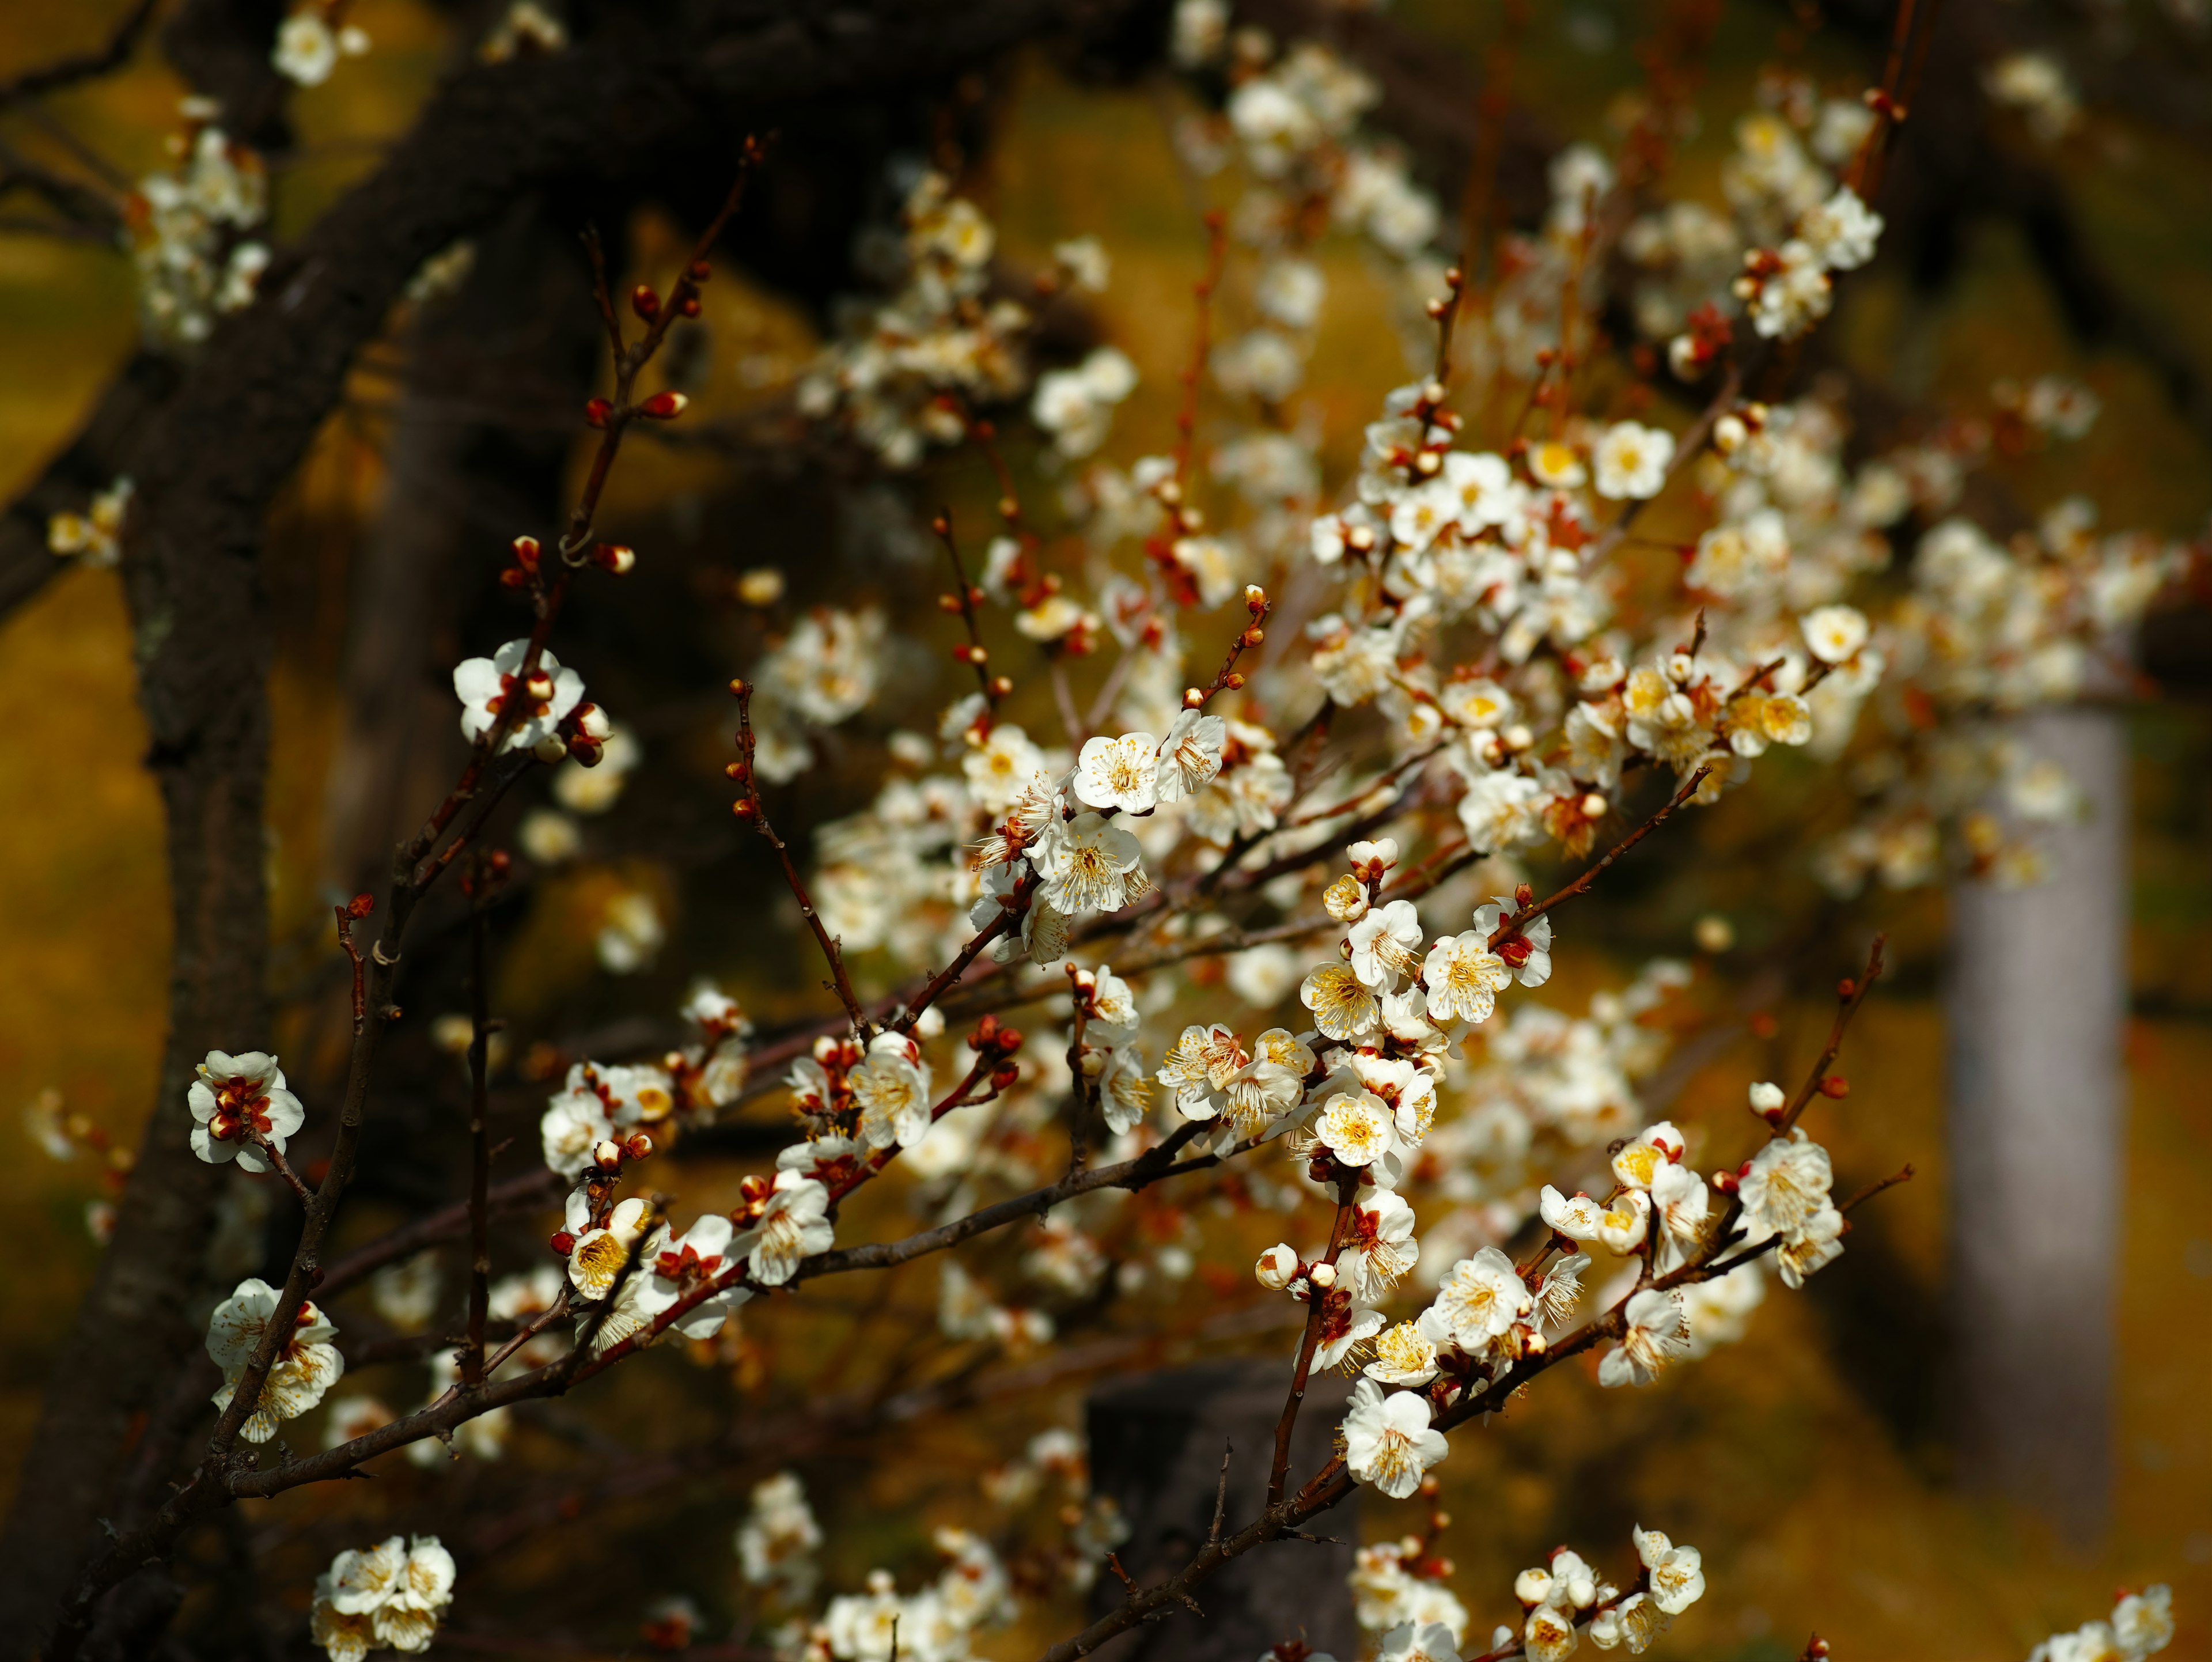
(1464, 977)
(892, 1087)
(1119, 773)
(1653, 1338)
(487, 687)
(1343, 1006)
(1356, 1127)
(238, 1102)
(1834, 634)
(392, 1595)
(795, 1227)
(1631, 460)
(1388, 1441)
(1386, 945)
(1190, 756)
(1090, 863)
(1480, 1300)
(305, 1364)
(1526, 948)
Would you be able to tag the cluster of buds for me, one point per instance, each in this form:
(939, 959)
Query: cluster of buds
(1348, 899)
(993, 1039)
(661, 406)
(610, 1154)
(1739, 426)
(826, 1099)
(483, 878)
(585, 735)
(1280, 1269)
(1691, 354)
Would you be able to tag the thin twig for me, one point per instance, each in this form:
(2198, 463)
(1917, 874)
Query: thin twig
(750, 808)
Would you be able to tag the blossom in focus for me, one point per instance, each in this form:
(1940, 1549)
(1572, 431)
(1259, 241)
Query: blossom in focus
(892, 1087)
(1355, 1127)
(1526, 948)
(486, 686)
(1343, 1008)
(1089, 863)
(1481, 1298)
(1464, 977)
(1119, 773)
(795, 1226)
(1386, 945)
(1388, 1441)
(237, 1100)
(1190, 756)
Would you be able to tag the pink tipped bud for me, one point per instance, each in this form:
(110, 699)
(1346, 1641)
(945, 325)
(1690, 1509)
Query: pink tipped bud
(613, 557)
(596, 412)
(664, 406)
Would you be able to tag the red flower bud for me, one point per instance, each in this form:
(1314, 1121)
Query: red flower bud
(614, 557)
(664, 406)
(1004, 1076)
(563, 1242)
(645, 302)
(525, 552)
(596, 412)
(688, 306)
(361, 905)
(1835, 1086)
(743, 808)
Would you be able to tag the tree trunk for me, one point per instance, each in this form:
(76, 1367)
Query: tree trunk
(1155, 1448)
(2037, 1140)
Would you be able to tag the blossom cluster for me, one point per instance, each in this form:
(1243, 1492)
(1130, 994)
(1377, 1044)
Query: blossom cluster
(389, 1596)
(188, 230)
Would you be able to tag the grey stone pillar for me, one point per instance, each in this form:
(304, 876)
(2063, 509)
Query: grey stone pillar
(1155, 1446)
(2037, 1136)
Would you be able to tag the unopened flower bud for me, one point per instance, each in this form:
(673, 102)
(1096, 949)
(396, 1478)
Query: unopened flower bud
(743, 808)
(1003, 1076)
(596, 412)
(645, 302)
(563, 1242)
(638, 1146)
(1277, 1266)
(1835, 1086)
(1192, 698)
(762, 585)
(1255, 598)
(1593, 806)
(1322, 1274)
(607, 1154)
(525, 552)
(1531, 1585)
(664, 406)
(613, 557)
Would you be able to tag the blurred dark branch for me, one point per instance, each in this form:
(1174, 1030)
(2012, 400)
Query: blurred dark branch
(82, 66)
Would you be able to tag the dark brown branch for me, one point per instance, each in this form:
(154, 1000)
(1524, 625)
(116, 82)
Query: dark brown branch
(1848, 996)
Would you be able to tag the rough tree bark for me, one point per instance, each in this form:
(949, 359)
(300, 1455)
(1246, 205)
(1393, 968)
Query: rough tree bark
(208, 467)
(2037, 1136)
